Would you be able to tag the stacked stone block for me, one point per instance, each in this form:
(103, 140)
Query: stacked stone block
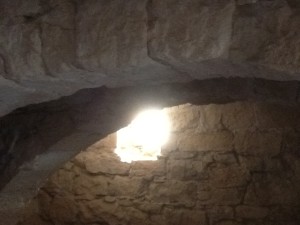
(230, 164)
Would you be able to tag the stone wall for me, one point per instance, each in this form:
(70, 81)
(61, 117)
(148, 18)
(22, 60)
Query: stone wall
(230, 164)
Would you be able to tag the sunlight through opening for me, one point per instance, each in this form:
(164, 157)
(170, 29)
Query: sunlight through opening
(143, 137)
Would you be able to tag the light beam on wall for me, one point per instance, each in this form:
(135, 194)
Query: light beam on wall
(143, 137)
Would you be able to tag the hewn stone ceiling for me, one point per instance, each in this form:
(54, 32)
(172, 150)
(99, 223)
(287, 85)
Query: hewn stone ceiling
(50, 49)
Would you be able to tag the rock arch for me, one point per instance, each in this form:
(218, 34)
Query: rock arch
(40, 138)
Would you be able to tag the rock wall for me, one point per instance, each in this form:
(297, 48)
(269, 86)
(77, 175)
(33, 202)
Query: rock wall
(37, 140)
(230, 164)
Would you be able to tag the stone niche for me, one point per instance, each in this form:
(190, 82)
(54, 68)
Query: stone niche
(226, 164)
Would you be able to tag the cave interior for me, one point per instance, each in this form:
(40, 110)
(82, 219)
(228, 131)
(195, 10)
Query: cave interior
(225, 74)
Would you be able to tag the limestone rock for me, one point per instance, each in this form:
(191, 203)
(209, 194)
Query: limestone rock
(63, 210)
(250, 212)
(173, 192)
(176, 169)
(224, 197)
(183, 155)
(125, 186)
(210, 119)
(229, 176)
(182, 217)
(267, 190)
(152, 208)
(258, 143)
(196, 170)
(34, 220)
(148, 168)
(109, 141)
(183, 117)
(87, 186)
(171, 145)
(110, 211)
(173, 41)
(228, 222)
(272, 116)
(226, 158)
(217, 141)
(219, 213)
(105, 165)
(238, 116)
(246, 172)
(53, 49)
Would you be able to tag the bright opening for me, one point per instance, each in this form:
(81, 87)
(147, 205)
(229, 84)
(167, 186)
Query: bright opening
(143, 137)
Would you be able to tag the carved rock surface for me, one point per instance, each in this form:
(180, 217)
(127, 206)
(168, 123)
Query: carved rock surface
(245, 182)
(50, 49)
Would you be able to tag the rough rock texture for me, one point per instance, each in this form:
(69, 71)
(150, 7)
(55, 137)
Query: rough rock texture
(36, 140)
(50, 49)
(229, 164)
(53, 48)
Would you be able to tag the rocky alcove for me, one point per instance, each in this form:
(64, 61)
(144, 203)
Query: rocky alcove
(224, 164)
(73, 72)
(232, 157)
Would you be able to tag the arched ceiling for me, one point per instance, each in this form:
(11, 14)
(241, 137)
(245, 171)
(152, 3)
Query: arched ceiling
(36, 140)
(50, 49)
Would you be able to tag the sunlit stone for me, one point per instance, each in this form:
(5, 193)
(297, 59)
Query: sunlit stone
(143, 137)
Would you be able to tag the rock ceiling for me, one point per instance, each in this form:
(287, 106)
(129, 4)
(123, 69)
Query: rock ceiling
(237, 50)
(50, 49)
